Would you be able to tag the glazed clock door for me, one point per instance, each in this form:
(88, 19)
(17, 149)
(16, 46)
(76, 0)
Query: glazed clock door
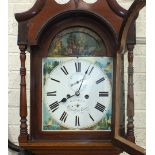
(76, 84)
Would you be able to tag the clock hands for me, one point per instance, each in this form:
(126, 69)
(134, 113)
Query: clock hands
(78, 92)
(63, 100)
(68, 97)
(77, 82)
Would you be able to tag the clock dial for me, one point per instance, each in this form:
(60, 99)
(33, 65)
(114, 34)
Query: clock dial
(78, 93)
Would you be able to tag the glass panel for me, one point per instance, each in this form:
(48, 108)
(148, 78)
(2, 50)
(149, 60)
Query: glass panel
(77, 41)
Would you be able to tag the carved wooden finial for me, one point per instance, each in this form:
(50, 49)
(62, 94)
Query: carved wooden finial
(76, 3)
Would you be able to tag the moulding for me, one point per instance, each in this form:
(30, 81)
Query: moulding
(82, 13)
(120, 11)
(37, 7)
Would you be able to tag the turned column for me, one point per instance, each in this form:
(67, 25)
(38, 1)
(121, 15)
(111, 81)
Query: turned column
(23, 101)
(130, 96)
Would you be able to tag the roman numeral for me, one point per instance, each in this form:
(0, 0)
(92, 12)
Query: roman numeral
(91, 117)
(64, 70)
(90, 70)
(54, 106)
(78, 66)
(103, 94)
(100, 107)
(64, 117)
(55, 80)
(51, 93)
(77, 121)
(100, 80)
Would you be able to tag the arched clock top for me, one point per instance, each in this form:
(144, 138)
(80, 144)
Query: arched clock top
(43, 10)
(39, 4)
(116, 20)
(79, 18)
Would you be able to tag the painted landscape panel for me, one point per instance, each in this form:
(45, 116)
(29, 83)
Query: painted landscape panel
(77, 41)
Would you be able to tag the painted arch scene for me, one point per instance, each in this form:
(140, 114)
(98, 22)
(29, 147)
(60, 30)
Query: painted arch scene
(77, 41)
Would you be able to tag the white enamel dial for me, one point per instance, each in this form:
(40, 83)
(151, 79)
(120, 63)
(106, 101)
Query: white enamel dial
(77, 94)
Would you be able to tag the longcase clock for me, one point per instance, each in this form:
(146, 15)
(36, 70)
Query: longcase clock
(76, 77)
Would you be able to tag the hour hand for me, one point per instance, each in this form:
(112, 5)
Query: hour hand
(63, 100)
(68, 97)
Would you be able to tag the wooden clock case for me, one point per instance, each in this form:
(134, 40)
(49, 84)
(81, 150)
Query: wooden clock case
(36, 30)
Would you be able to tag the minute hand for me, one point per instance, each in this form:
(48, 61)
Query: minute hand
(83, 79)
